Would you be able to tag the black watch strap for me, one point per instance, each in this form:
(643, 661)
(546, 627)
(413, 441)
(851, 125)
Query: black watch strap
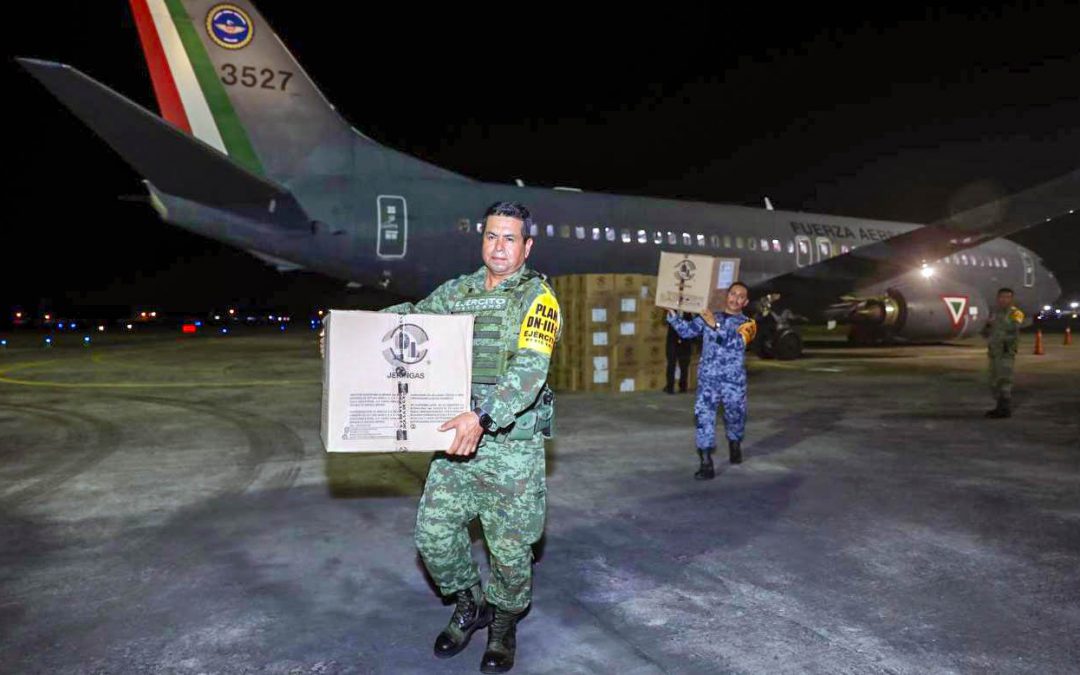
(485, 419)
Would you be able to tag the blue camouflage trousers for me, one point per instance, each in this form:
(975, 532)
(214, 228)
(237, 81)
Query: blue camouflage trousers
(709, 395)
(504, 486)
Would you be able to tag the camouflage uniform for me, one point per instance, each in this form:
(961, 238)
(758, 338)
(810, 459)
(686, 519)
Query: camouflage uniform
(1004, 334)
(503, 483)
(721, 373)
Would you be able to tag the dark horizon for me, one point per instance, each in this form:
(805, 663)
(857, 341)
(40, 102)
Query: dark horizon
(908, 114)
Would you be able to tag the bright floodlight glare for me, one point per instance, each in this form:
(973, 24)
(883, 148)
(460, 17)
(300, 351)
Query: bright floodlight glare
(1074, 305)
(927, 272)
(1046, 308)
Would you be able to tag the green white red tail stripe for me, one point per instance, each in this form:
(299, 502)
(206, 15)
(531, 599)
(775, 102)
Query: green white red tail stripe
(186, 85)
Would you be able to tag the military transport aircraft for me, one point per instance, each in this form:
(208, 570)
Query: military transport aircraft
(248, 152)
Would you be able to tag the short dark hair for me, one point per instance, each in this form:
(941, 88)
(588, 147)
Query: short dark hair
(1005, 290)
(739, 283)
(512, 210)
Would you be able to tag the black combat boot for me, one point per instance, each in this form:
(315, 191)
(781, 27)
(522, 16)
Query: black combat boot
(706, 472)
(735, 451)
(471, 614)
(1006, 407)
(1002, 410)
(502, 642)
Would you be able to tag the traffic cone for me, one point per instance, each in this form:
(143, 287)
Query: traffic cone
(1068, 335)
(1038, 343)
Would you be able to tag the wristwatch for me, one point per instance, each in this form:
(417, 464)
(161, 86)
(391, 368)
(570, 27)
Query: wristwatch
(486, 422)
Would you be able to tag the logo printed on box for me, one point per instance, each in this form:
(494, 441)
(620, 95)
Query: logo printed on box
(685, 270)
(406, 343)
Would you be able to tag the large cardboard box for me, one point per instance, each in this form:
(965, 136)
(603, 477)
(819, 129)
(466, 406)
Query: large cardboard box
(692, 283)
(593, 285)
(390, 380)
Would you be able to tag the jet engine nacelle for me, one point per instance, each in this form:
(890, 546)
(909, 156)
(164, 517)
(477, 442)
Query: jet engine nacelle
(917, 312)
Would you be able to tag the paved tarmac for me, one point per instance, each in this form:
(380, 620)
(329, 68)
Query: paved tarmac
(166, 507)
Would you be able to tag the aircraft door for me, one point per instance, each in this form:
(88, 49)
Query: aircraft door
(393, 227)
(803, 254)
(824, 248)
(1029, 270)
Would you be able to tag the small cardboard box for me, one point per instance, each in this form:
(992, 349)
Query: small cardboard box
(390, 380)
(692, 283)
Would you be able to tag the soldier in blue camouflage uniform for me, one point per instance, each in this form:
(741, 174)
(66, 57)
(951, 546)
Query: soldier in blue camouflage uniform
(721, 374)
(1003, 333)
(495, 467)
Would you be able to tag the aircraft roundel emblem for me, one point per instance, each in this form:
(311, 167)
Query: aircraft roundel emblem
(229, 26)
(957, 306)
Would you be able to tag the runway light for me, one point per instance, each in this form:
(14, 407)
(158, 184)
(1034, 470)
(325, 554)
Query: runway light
(198, 324)
(129, 326)
(3, 343)
(142, 315)
(153, 315)
(320, 312)
(101, 329)
(48, 342)
(86, 339)
(282, 326)
(18, 315)
(217, 317)
(224, 331)
(1046, 308)
(48, 317)
(232, 311)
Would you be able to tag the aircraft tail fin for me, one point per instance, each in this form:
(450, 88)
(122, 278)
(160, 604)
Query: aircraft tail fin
(172, 161)
(222, 75)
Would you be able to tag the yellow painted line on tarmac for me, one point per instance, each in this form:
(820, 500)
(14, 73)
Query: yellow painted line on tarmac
(29, 364)
(155, 385)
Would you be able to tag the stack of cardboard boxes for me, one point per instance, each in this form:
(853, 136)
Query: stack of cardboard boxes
(614, 336)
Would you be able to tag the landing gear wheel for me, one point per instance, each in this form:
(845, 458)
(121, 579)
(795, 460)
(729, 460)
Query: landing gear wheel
(788, 346)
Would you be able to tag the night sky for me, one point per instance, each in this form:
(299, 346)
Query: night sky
(904, 114)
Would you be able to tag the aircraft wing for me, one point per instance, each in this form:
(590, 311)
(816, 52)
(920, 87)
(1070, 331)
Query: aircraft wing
(815, 286)
(174, 162)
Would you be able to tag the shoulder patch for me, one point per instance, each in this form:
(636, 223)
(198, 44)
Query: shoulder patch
(748, 330)
(1016, 315)
(540, 325)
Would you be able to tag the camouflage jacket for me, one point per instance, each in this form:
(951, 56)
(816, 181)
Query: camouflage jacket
(1004, 329)
(723, 349)
(527, 365)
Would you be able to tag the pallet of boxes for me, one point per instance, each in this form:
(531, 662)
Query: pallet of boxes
(615, 332)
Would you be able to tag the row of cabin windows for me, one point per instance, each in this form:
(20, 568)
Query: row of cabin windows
(975, 260)
(658, 238)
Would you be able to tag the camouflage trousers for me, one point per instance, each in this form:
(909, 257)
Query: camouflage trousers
(503, 485)
(709, 395)
(1001, 375)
